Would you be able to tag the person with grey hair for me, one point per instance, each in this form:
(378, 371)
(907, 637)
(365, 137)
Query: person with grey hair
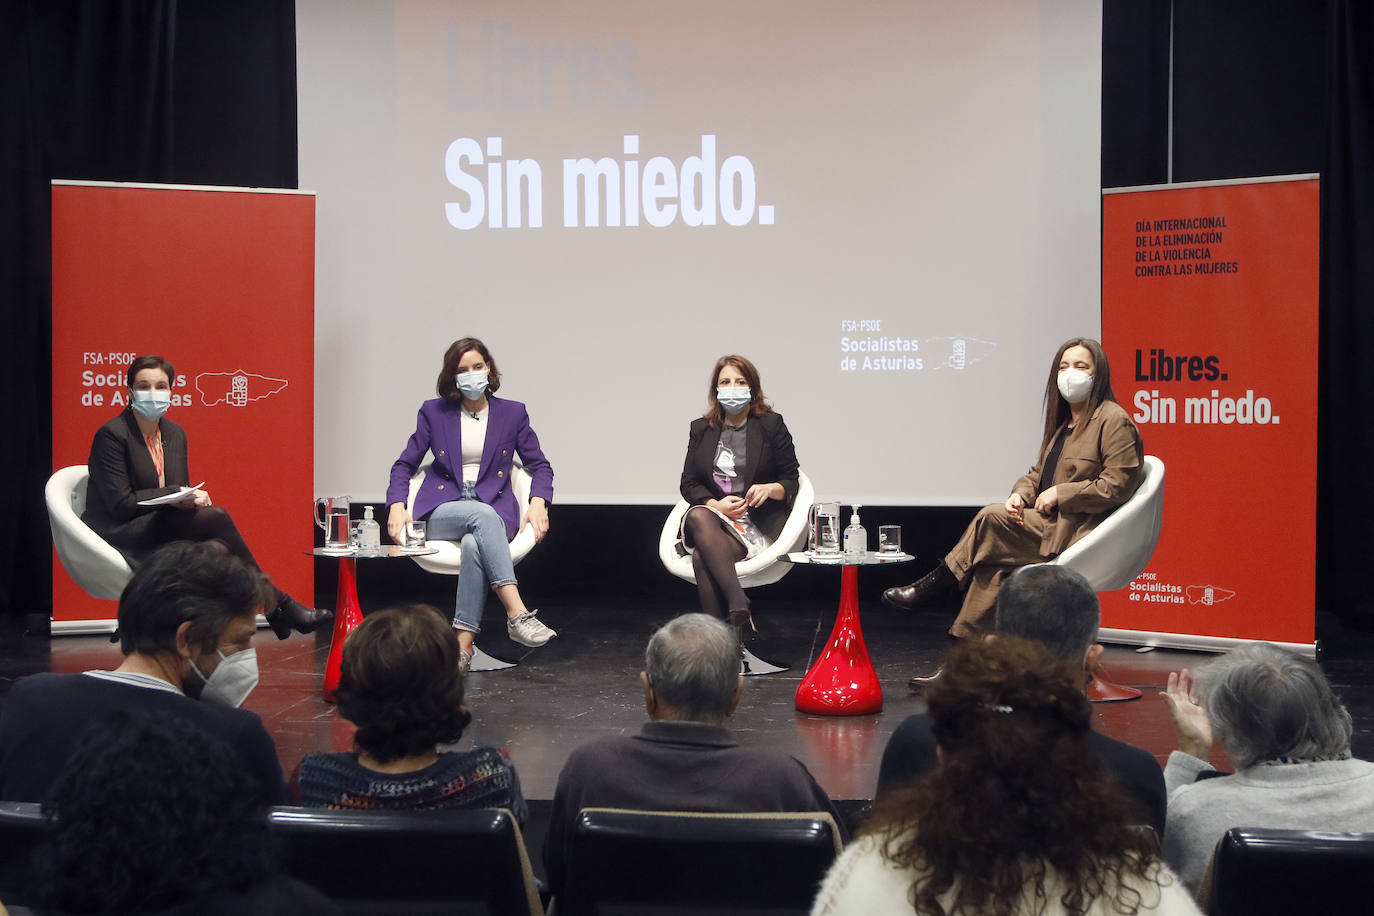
(1287, 735)
(1056, 607)
(683, 758)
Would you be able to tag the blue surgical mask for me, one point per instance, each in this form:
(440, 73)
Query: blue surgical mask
(733, 400)
(151, 404)
(472, 384)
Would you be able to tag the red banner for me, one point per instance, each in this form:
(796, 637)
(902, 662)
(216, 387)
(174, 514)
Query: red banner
(221, 282)
(1209, 317)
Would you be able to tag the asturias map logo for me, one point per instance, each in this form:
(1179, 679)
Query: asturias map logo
(236, 388)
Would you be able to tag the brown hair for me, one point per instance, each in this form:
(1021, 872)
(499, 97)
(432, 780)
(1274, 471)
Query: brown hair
(758, 406)
(151, 362)
(1019, 793)
(447, 386)
(399, 683)
(1057, 410)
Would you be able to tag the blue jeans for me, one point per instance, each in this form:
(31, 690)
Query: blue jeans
(486, 553)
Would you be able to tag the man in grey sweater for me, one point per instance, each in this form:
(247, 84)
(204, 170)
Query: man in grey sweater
(1289, 738)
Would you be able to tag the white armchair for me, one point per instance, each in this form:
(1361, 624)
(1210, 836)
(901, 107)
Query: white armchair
(1116, 551)
(88, 558)
(764, 569)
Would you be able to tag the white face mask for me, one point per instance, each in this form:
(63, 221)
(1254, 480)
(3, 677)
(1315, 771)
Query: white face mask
(733, 400)
(472, 384)
(1075, 385)
(232, 680)
(151, 404)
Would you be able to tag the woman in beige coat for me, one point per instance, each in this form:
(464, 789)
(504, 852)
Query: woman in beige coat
(1090, 462)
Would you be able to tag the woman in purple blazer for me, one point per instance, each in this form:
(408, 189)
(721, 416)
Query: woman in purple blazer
(470, 436)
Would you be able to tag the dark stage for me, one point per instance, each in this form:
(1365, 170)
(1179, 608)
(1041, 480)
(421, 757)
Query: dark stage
(585, 684)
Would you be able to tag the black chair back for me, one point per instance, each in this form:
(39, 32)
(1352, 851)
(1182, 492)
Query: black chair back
(1260, 871)
(22, 826)
(409, 861)
(650, 862)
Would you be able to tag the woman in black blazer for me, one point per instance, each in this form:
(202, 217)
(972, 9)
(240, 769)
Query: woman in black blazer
(740, 477)
(139, 455)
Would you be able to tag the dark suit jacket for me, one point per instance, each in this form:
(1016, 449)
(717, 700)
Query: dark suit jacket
(769, 457)
(122, 474)
(910, 754)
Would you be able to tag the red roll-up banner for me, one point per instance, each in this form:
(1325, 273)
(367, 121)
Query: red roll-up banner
(1209, 318)
(221, 282)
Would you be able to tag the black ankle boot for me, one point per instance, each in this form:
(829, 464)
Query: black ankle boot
(930, 589)
(290, 615)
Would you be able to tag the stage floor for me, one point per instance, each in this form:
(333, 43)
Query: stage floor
(585, 684)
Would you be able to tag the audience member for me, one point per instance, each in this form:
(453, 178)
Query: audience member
(1056, 607)
(400, 683)
(129, 833)
(1020, 816)
(1287, 735)
(186, 621)
(683, 759)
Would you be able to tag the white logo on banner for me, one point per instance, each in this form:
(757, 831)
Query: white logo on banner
(1208, 594)
(236, 388)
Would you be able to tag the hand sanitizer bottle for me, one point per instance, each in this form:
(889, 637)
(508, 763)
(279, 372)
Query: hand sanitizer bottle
(369, 533)
(855, 536)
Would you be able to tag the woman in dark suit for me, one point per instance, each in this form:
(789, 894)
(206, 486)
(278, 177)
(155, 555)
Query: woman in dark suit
(471, 438)
(140, 455)
(740, 477)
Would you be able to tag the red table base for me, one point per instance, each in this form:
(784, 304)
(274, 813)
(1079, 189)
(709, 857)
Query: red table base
(347, 615)
(842, 682)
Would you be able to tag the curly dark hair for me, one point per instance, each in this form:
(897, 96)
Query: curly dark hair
(399, 683)
(1019, 796)
(148, 812)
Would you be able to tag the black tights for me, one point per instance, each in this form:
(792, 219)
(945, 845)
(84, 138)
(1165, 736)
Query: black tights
(208, 523)
(713, 562)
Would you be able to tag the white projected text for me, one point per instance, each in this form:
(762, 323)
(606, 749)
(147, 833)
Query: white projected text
(703, 189)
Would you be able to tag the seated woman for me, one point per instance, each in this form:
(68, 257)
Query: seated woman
(1289, 738)
(139, 455)
(1090, 462)
(151, 814)
(470, 435)
(399, 683)
(740, 478)
(1019, 816)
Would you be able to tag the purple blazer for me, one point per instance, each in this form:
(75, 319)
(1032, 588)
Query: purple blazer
(437, 432)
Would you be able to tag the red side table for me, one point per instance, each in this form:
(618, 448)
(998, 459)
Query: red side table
(842, 681)
(348, 613)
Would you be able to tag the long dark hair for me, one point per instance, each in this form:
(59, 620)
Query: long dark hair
(758, 406)
(1057, 411)
(447, 384)
(1020, 801)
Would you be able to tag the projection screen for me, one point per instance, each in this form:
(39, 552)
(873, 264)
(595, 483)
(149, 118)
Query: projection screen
(892, 208)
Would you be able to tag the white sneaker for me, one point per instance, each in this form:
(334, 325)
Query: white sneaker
(527, 631)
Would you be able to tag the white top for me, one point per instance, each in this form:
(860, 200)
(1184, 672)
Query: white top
(863, 883)
(133, 679)
(474, 433)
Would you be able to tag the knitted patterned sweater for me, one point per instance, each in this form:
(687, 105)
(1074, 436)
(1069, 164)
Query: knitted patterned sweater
(480, 778)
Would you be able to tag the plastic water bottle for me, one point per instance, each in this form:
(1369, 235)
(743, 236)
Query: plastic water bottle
(855, 536)
(369, 533)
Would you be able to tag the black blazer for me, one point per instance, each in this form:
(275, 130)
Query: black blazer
(122, 473)
(769, 457)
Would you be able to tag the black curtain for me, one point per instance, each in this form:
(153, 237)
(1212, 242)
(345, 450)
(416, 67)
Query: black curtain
(176, 91)
(1345, 434)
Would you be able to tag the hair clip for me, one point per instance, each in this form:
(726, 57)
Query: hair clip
(998, 707)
